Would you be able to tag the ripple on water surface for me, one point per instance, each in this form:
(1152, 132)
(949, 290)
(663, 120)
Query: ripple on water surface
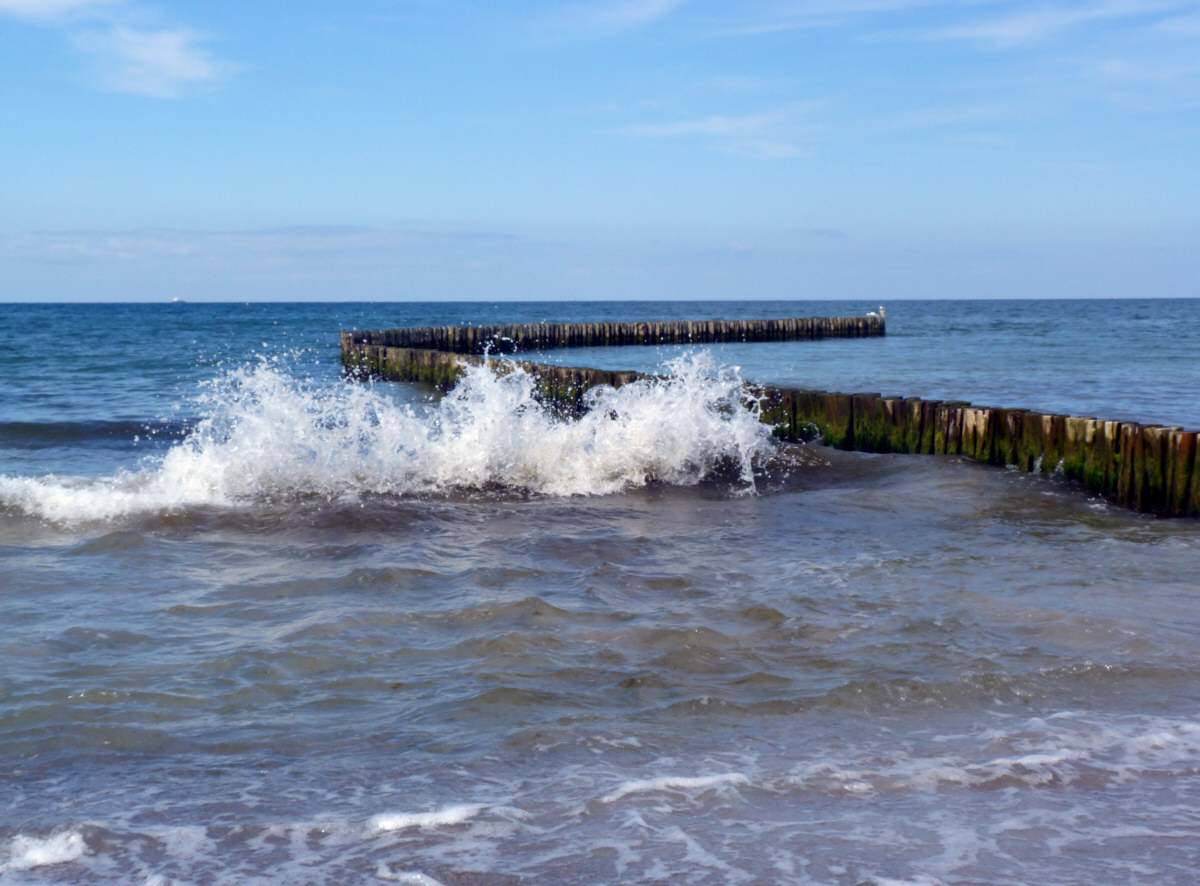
(876, 669)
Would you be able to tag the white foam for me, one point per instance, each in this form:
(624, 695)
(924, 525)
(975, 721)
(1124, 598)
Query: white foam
(268, 435)
(674, 783)
(409, 878)
(26, 853)
(448, 815)
(1060, 750)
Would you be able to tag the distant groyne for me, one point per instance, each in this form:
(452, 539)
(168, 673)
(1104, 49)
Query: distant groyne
(526, 337)
(1149, 468)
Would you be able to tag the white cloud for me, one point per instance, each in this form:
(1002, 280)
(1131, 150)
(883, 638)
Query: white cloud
(298, 244)
(797, 16)
(761, 148)
(714, 125)
(934, 117)
(719, 124)
(1183, 25)
(50, 9)
(609, 17)
(633, 13)
(742, 85)
(160, 64)
(764, 135)
(1005, 23)
(1035, 24)
(1124, 71)
(982, 139)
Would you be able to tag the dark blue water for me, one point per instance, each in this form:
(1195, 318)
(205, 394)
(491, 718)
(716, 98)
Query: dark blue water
(263, 624)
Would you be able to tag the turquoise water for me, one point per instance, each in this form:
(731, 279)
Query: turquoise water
(263, 624)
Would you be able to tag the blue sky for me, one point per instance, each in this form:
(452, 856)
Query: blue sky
(420, 149)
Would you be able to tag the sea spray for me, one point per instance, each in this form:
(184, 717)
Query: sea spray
(26, 853)
(269, 436)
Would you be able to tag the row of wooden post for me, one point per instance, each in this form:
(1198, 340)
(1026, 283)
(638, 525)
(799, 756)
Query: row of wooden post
(508, 339)
(1147, 468)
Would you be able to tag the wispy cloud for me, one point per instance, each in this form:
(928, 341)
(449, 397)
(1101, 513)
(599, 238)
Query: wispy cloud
(1032, 24)
(1004, 23)
(420, 260)
(1184, 25)
(1129, 72)
(981, 139)
(159, 64)
(632, 13)
(268, 246)
(50, 9)
(716, 124)
(933, 117)
(165, 62)
(761, 148)
(1087, 166)
(765, 134)
(769, 135)
(590, 19)
(742, 84)
(813, 14)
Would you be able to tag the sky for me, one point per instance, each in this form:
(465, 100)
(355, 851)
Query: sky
(593, 149)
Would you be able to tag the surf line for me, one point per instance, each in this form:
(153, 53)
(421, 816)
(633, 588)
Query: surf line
(1154, 469)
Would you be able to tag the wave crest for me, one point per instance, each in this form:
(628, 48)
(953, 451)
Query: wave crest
(269, 435)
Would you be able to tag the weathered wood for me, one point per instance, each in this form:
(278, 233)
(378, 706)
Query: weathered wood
(509, 338)
(1181, 461)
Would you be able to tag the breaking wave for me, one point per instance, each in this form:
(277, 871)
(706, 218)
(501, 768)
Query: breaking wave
(267, 435)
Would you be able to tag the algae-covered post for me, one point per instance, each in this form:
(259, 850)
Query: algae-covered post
(1146, 468)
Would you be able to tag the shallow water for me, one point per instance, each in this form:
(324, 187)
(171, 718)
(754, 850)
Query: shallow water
(304, 631)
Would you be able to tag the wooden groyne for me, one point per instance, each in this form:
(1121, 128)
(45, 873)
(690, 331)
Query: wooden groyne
(1149, 468)
(563, 386)
(545, 336)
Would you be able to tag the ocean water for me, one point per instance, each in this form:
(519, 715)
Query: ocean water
(262, 624)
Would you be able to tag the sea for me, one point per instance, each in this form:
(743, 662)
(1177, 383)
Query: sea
(263, 623)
